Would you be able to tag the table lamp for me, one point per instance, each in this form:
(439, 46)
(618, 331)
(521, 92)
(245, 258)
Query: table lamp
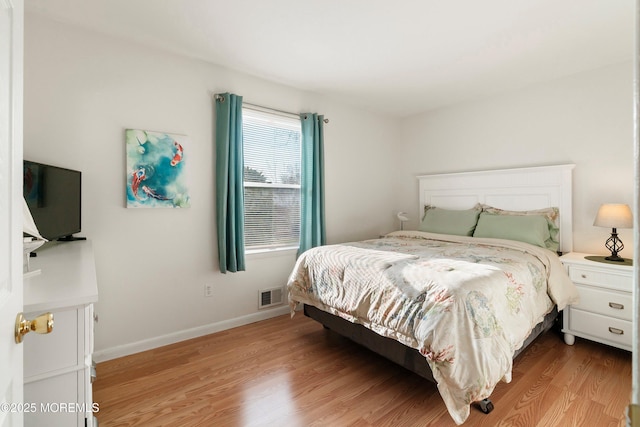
(614, 216)
(402, 216)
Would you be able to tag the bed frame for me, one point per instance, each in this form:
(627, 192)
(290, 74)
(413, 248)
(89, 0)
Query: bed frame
(512, 189)
(395, 351)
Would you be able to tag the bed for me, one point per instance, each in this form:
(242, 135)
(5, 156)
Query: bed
(456, 300)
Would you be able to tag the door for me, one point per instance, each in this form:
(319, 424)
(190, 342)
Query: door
(11, 49)
(634, 407)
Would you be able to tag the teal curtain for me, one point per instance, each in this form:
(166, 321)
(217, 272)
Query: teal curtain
(229, 182)
(312, 228)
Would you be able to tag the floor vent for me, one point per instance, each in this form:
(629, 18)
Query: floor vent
(269, 297)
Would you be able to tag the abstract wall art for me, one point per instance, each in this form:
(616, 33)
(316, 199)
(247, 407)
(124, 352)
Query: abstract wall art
(156, 169)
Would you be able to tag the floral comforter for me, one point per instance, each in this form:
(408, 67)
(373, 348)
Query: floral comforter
(467, 304)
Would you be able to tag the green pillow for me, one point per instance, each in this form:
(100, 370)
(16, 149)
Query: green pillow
(449, 221)
(551, 214)
(531, 229)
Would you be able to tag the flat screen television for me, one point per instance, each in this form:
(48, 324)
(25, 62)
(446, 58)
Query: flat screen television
(53, 195)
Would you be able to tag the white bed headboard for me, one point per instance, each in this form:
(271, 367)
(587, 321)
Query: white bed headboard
(512, 189)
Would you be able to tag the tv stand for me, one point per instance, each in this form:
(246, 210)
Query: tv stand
(70, 238)
(58, 367)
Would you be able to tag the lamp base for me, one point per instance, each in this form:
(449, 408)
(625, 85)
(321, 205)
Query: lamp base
(615, 245)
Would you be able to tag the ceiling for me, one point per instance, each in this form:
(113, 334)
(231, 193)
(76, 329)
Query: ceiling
(395, 57)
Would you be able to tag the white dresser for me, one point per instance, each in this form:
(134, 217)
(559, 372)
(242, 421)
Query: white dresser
(58, 366)
(605, 311)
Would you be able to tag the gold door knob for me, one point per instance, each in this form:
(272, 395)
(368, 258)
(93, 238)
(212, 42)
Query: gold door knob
(42, 324)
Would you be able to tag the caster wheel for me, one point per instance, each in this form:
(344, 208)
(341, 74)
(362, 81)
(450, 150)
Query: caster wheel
(486, 406)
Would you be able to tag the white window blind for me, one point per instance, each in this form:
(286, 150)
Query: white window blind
(272, 159)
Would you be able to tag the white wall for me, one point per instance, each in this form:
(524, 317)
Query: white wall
(82, 90)
(586, 119)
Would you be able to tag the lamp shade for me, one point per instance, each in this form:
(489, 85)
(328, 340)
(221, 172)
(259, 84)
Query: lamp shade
(614, 216)
(28, 224)
(402, 216)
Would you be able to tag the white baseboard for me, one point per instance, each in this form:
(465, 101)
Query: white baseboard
(151, 343)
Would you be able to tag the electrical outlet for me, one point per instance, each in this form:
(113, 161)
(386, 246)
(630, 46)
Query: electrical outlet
(208, 290)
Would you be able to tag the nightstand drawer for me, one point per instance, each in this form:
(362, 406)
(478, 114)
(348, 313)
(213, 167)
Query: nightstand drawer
(606, 278)
(613, 304)
(615, 330)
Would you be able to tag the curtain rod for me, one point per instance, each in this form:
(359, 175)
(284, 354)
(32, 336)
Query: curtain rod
(219, 97)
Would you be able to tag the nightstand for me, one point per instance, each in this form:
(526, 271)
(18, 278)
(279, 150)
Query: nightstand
(604, 313)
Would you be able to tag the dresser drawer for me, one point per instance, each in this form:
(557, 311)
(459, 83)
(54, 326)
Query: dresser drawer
(602, 327)
(608, 303)
(49, 394)
(605, 278)
(57, 351)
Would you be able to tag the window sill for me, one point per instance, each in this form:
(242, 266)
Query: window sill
(263, 253)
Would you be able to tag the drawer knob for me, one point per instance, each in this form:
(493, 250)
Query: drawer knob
(616, 305)
(616, 331)
(584, 276)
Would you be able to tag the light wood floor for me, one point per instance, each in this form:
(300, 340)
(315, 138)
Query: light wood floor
(292, 372)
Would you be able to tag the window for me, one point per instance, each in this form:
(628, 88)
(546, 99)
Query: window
(272, 165)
